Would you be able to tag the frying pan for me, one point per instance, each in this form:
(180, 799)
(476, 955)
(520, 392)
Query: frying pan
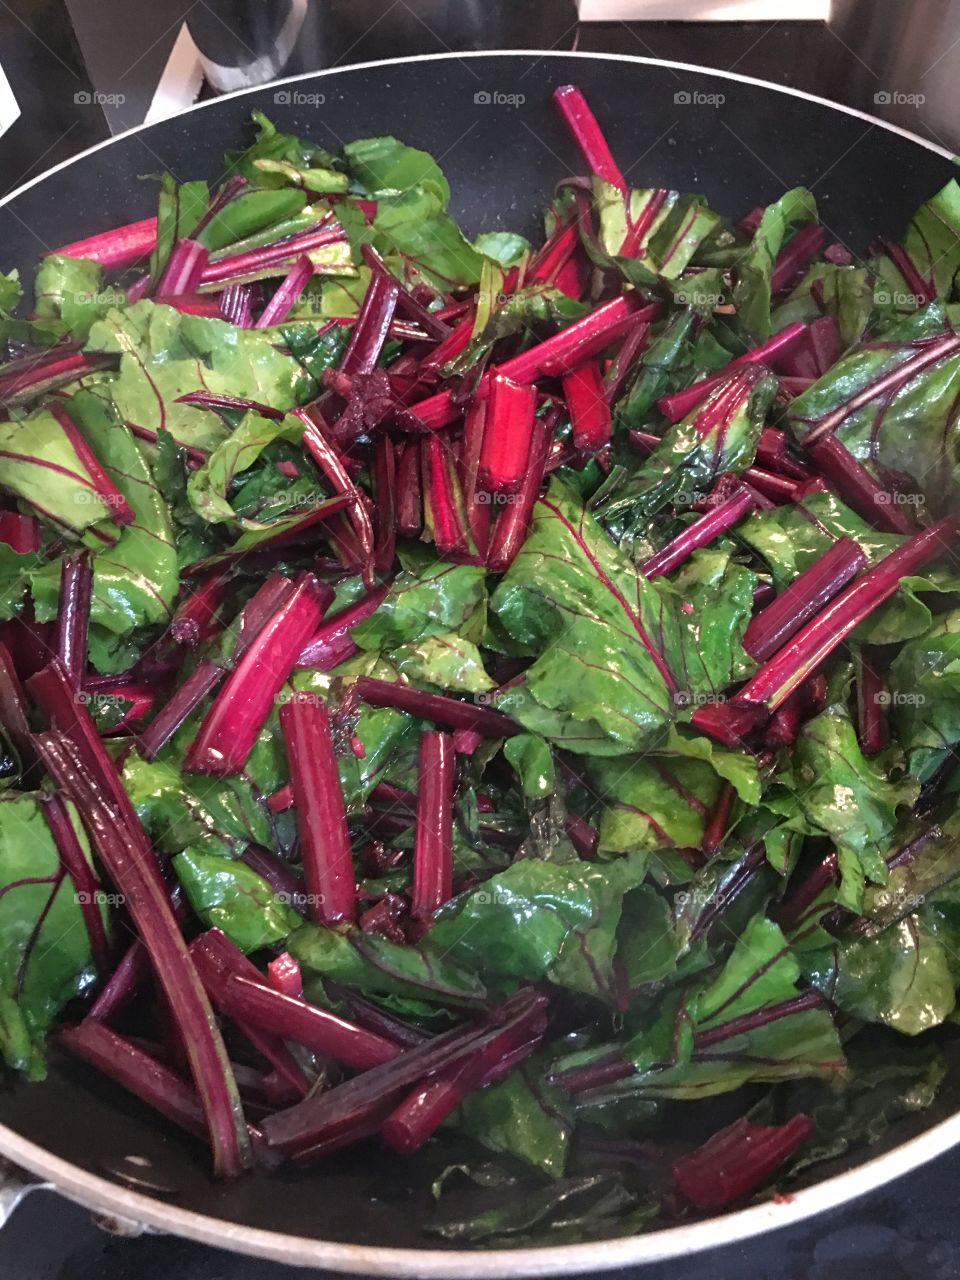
(489, 120)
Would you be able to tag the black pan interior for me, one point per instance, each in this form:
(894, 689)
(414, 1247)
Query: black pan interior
(741, 144)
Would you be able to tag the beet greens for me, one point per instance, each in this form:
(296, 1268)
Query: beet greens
(508, 694)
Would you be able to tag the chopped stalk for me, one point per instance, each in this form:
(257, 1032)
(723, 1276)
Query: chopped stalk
(797, 659)
(508, 431)
(73, 615)
(202, 680)
(117, 248)
(331, 645)
(700, 533)
(433, 852)
(677, 406)
(587, 134)
(476, 502)
(287, 294)
(444, 513)
(149, 907)
(737, 1160)
(184, 269)
(803, 599)
(873, 698)
(373, 324)
(437, 707)
(409, 492)
(857, 487)
(131, 1067)
(586, 337)
(384, 495)
(251, 1001)
(510, 531)
(590, 416)
(230, 728)
(321, 816)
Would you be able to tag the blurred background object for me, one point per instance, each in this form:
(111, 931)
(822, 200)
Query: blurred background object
(142, 62)
(907, 61)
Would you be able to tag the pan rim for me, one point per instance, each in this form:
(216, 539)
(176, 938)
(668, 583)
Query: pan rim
(101, 1195)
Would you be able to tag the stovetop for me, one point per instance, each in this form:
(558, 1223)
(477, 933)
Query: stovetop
(907, 1231)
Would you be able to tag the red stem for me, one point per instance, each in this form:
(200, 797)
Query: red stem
(803, 599)
(511, 409)
(437, 707)
(790, 666)
(117, 248)
(587, 134)
(675, 407)
(433, 851)
(73, 615)
(233, 723)
(321, 815)
(700, 533)
(305, 1024)
(590, 417)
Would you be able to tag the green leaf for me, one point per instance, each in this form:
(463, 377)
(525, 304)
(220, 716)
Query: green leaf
(698, 619)
(70, 289)
(179, 210)
(504, 247)
(41, 467)
(572, 1210)
(539, 919)
(932, 240)
(571, 597)
(385, 166)
(533, 761)
(428, 598)
(135, 580)
(381, 968)
(902, 978)
(653, 802)
(164, 355)
(908, 431)
(45, 957)
(446, 661)
(247, 214)
(271, 144)
(754, 265)
(522, 1116)
(686, 462)
(209, 486)
(924, 695)
(849, 798)
(227, 895)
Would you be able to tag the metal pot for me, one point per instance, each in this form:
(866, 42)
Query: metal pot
(489, 119)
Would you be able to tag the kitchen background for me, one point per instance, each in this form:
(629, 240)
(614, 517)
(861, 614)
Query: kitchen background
(73, 72)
